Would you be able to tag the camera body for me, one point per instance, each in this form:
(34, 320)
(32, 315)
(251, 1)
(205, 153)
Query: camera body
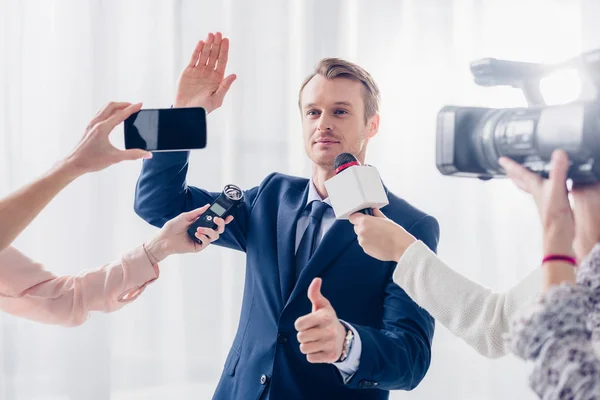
(470, 140)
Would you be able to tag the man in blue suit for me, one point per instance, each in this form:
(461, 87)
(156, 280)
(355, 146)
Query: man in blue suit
(320, 319)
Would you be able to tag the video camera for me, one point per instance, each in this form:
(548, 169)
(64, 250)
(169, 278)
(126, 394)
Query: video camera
(471, 139)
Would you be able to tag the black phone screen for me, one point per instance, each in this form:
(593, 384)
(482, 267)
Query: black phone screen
(168, 129)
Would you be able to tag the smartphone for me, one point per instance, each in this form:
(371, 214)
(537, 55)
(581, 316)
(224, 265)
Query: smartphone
(166, 129)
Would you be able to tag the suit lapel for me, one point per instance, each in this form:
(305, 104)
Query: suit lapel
(292, 205)
(336, 240)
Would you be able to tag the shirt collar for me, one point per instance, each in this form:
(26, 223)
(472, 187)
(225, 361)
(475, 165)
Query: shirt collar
(313, 195)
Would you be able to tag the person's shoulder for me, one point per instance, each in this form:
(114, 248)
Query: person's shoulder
(276, 185)
(284, 181)
(402, 212)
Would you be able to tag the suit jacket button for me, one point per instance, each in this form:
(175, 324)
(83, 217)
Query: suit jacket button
(263, 379)
(281, 338)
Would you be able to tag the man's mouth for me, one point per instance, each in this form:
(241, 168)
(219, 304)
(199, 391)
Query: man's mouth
(327, 141)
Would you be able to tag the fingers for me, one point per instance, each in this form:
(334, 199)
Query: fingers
(314, 295)
(196, 54)
(205, 240)
(220, 222)
(377, 213)
(214, 51)
(521, 176)
(223, 56)
(321, 357)
(193, 215)
(558, 173)
(309, 335)
(357, 218)
(207, 235)
(323, 344)
(134, 154)
(225, 85)
(119, 116)
(107, 111)
(205, 53)
(306, 322)
(210, 233)
(313, 320)
(312, 347)
(110, 108)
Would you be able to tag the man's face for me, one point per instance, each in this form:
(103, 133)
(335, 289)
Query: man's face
(333, 120)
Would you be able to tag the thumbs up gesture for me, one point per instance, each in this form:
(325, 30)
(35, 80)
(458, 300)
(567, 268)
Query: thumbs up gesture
(320, 333)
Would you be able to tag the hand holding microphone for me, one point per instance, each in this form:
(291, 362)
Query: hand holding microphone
(355, 191)
(380, 237)
(354, 187)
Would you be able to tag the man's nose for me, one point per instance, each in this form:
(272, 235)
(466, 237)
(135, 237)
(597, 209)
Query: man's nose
(324, 124)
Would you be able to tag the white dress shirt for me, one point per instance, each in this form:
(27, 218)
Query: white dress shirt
(349, 366)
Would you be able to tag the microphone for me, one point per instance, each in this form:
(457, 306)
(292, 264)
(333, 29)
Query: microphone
(355, 187)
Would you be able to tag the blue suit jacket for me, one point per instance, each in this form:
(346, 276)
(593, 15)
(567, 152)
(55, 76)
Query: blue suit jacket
(265, 359)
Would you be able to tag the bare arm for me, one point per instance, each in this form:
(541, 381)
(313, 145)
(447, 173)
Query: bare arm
(550, 196)
(21, 207)
(93, 153)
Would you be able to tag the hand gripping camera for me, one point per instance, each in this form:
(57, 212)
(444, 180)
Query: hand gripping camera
(470, 139)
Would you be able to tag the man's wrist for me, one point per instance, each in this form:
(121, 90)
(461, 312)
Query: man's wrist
(348, 338)
(185, 104)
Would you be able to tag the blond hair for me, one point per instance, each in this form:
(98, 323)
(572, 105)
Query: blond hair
(332, 68)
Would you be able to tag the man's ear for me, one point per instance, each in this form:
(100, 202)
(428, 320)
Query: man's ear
(372, 126)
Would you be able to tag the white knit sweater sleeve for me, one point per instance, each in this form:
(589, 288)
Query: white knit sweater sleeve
(469, 310)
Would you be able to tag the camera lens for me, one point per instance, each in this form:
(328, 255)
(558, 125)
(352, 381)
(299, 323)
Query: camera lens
(484, 140)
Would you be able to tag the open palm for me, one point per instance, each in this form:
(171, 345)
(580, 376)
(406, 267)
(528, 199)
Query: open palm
(202, 83)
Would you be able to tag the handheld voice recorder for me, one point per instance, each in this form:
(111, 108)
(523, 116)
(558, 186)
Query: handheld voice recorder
(222, 207)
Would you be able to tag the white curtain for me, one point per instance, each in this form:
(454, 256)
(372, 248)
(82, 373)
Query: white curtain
(60, 61)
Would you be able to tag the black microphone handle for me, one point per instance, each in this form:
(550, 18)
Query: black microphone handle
(367, 211)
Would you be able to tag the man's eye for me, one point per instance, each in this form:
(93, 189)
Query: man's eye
(312, 112)
(340, 112)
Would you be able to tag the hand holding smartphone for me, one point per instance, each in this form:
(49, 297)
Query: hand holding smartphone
(166, 129)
